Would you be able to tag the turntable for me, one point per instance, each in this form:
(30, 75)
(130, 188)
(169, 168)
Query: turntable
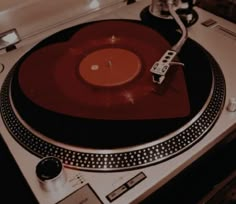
(106, 101)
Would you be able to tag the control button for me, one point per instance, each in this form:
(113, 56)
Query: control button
(134, 181)
(50, 173)
(232, 105)
(8, 39)
(126, 187)
(209, 22)
(116, 193)
(1, 68)
(84, 195)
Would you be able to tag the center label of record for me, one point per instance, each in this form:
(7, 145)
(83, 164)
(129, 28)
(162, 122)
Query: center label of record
(110, 67)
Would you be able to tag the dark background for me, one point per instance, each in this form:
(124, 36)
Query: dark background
(223, 8)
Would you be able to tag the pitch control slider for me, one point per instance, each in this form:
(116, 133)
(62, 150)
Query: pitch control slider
(160, 68)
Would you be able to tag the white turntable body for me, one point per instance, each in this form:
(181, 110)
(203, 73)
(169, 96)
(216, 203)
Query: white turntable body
(35, 20)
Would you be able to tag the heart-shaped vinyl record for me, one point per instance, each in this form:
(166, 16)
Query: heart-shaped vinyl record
(96, 77)
(86, 96)
(103, 72)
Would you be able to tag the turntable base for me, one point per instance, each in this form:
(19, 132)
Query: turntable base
(140, 154)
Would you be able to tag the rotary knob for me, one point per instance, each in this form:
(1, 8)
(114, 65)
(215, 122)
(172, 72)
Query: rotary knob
(50, 173)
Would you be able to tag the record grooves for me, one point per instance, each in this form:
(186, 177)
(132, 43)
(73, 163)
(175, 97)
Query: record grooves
(142, 133)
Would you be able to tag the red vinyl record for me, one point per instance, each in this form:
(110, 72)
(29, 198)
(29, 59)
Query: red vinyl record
(103, 72)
